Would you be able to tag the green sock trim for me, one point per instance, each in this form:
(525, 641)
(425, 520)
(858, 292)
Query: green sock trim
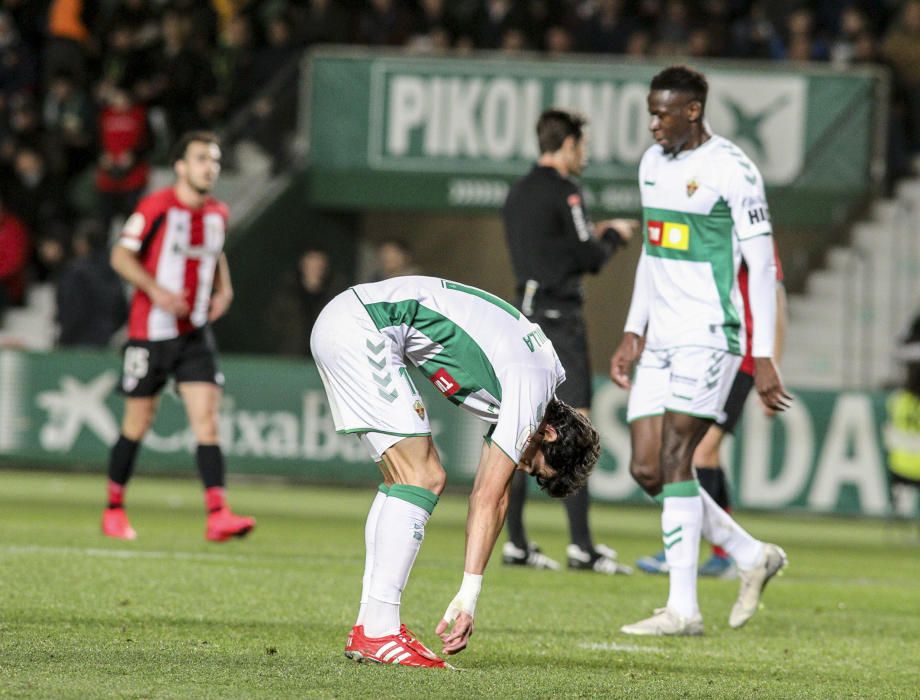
(416, 495)
(659, 499)
(682, 489)
(384, 489)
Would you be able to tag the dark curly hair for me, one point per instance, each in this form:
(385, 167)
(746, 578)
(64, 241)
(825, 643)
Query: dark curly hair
(573, 453)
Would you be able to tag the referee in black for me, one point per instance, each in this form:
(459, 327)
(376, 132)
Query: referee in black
(553, 244)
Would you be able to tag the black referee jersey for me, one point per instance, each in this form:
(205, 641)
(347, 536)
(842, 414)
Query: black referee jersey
(552, 241)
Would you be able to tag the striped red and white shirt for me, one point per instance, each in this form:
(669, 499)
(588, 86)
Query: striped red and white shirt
(180, 248)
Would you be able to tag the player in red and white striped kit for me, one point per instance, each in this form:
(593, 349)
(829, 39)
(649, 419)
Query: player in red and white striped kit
(171, 250)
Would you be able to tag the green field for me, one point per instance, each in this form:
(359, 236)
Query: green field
(171, 615)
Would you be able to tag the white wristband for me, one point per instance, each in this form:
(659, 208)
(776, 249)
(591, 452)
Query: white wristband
(466, 598)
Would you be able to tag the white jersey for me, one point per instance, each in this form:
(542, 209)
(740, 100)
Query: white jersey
(478, 350)
(697, 206)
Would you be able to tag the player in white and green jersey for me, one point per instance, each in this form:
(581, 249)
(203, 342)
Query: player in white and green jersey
(704, 210)
(488, 358)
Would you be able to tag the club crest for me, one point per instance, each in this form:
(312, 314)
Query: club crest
(420, 409)
(692, 186)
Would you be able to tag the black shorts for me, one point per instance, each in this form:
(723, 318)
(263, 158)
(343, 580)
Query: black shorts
(148, 364)
(566, 330)
(734, 404)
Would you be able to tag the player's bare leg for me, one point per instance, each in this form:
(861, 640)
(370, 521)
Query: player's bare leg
(414, 479)
(681, 524)
(137, 419)
(202, 406)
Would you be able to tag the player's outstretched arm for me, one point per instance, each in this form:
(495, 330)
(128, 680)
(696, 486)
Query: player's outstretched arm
(488, 503)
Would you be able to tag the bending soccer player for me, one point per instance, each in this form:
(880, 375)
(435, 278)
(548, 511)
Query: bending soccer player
(486, 357)
(704, 212)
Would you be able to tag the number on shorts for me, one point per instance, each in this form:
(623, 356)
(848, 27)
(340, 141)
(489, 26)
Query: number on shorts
(137, 362)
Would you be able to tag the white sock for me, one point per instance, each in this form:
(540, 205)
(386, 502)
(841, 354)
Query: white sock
(722, 530)
(370, 531)
(400, 531)
(681, 523)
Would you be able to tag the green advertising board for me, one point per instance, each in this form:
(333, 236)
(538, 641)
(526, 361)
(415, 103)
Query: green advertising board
(422, 133)
(62, 410)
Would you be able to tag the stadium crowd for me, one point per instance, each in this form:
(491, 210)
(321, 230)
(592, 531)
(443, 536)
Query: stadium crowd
(92, 92)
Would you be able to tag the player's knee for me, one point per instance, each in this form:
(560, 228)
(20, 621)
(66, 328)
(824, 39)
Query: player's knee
(435, 479)
(136, 423)
(206, 432)
(646, 475)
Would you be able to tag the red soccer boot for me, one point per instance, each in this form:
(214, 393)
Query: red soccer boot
(115, 524)
(222, 525)
(402, 649)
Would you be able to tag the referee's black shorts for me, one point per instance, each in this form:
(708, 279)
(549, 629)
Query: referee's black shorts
(566, 330)
(734, 404)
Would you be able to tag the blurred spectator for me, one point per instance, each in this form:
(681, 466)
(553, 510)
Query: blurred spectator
(300, 299)
(123, 61)
(17, 63)
(234, 65)
(69, 39)
(699, 42)
(123, 169)
(853, 22)
(325, 22)
(139, 19)
(799, 41)
(639, 44)
(866, 51)
(434, 27)
(34, 195)
(901, 47)
(14, 258)
(753, 35)
(91, 301)
(558, 41)
(394, 259)
(673, 30)
(514, 40)
(68, 117)
(718, 17)
(182, 78)
(603, 27)
(384, 23)
(493, 22)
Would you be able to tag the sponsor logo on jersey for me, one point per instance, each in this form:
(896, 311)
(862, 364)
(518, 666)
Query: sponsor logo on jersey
(420, 409)
(444, 383)
(197, 251)
(667, 234)
(524, 437)
(578, 216)
(692, 187)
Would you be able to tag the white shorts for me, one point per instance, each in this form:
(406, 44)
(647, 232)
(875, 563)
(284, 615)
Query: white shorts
(692, 380)
(367, 382)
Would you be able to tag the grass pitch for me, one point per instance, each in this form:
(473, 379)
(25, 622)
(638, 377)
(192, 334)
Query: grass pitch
(172, 616)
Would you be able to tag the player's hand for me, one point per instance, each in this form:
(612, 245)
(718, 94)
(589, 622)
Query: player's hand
(625, 228)
(456, 638)
(169, 301)
(769, 385)
(220, 302)
(621, 364)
